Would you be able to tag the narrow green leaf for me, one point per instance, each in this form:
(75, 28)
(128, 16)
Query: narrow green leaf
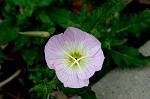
(106, 11)
(134, 25)
(126, 56)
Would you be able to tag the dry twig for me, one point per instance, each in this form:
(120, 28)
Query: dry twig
(10, 78)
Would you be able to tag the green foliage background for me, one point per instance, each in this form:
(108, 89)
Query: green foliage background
(54, 16)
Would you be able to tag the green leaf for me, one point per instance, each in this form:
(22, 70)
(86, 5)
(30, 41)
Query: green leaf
(38, 41)
(40, 72)
(97, 20)
(116, 42)
(63, 17)
(9, 10)
(28, 8)
(29, 55)
(8, 32)
(22, 3)
(88, 95)
(108, 42)
(36, 78)
(44, 17)
(27, 12)
(43, 2)
(21, 42)
(38, 3)
(127, 56)
(83, 15)
(92, 19)
(44, 89)
(132, 24)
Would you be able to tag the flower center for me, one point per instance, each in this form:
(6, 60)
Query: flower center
(76, 55)
(75, 59)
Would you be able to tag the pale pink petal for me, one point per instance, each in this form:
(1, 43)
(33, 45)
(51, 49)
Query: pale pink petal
(89, 40)
(92, 51)
(50, 57)
(51, 60)
(74, 82)
(68, 76)
(54, 50)
(91, 65)
(58, 43)
(86, 72)
(91, 45)
(76, 35)
(83, 40)
(96, 61)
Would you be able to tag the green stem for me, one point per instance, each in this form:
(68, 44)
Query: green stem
(125, 28)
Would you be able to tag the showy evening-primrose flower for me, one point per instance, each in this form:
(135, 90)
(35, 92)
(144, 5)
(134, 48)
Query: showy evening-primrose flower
(75, 56)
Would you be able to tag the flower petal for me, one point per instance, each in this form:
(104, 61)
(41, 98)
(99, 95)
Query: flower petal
(92, 64)
(76, 35)
(74, 82)
(86, 72)
(91, 44)
(55, 49)
(96, 60)
(68, 76)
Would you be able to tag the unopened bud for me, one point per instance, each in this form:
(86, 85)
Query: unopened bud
(36, 33)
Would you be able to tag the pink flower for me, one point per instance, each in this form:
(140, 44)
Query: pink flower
(75, 56)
